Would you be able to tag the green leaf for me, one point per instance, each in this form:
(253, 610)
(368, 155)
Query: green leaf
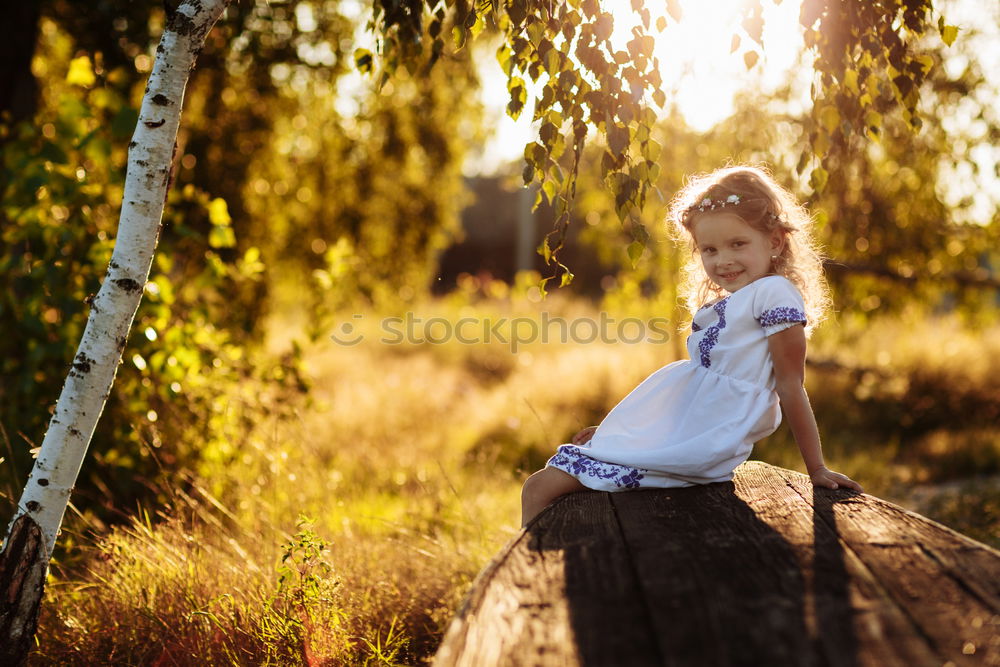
(548, 133)
(536, 31)
(904, 85)
(651, 150)
(873, 119)
(618, 139)
(541, 286)
(821, 144)
(829, 118)
(544, 250)
(222, 237)
(818, 179)
(363, 60)
(506, 59)
(803, 160)
(654, 171)
(851, 81)
(538, 154)
(218, 212)
(476, 28)
(639, 232)
(635, 249)
(948, 34)
(81, 73)
(549, 188)
(518, 96)
(553, 61)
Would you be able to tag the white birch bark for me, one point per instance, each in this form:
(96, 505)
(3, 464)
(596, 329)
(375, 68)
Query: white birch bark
(88, 384)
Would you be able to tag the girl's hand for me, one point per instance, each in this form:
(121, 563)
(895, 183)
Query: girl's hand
(584, 435)
(825, 477)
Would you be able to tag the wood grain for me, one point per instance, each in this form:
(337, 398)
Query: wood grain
(946, 583)
(562, 593)
(764, 570)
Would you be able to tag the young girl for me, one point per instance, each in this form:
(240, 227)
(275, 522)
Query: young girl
(755, 269)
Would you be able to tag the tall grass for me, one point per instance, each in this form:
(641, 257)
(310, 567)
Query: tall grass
(348, 535)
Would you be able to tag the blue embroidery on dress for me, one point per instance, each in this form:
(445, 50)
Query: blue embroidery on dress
(695, 327)
(712, 334)
(781, 315)
(570, 459)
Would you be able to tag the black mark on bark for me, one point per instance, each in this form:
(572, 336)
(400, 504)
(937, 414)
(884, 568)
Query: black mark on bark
(160, 99)
(128, 284)
(82, 363)
(181, 24)
(33, 506)
(154, 123)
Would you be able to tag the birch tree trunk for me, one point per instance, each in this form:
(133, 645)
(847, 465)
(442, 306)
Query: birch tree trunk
(33, 529)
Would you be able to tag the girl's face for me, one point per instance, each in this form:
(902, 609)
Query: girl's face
(733, 253)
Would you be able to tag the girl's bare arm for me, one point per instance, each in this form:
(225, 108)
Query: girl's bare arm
(788, 353)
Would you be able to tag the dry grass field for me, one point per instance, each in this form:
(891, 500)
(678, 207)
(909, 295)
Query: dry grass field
(348, 535)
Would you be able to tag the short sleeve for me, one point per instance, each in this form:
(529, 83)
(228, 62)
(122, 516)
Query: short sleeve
(778, 305)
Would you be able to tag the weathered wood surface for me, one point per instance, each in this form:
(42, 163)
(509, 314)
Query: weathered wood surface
(763, 570)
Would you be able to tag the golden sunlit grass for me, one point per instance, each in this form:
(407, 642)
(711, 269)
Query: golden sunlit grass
(407, 465)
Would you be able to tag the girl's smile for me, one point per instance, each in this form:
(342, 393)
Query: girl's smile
(733, 253)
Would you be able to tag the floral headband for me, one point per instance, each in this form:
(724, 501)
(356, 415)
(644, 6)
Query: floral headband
(709, 204)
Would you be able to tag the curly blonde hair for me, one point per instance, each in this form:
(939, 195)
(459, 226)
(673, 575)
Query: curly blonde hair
(766, 206)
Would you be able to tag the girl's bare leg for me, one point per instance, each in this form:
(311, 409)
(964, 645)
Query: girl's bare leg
(542, 488)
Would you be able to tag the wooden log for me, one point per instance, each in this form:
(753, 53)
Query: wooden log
(759, 571)
(565, 574)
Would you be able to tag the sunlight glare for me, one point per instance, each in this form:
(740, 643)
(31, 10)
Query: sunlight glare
(701, 71)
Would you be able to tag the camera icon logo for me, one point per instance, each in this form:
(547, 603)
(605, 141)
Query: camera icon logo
(346, 334)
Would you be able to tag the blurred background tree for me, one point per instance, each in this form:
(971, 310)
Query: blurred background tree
(272, 183)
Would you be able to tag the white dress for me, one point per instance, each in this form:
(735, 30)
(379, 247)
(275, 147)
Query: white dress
(693, 421)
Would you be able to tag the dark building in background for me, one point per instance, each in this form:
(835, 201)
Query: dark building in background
(501, 235)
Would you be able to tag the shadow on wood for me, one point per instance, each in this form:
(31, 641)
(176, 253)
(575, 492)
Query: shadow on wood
(764, 570)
